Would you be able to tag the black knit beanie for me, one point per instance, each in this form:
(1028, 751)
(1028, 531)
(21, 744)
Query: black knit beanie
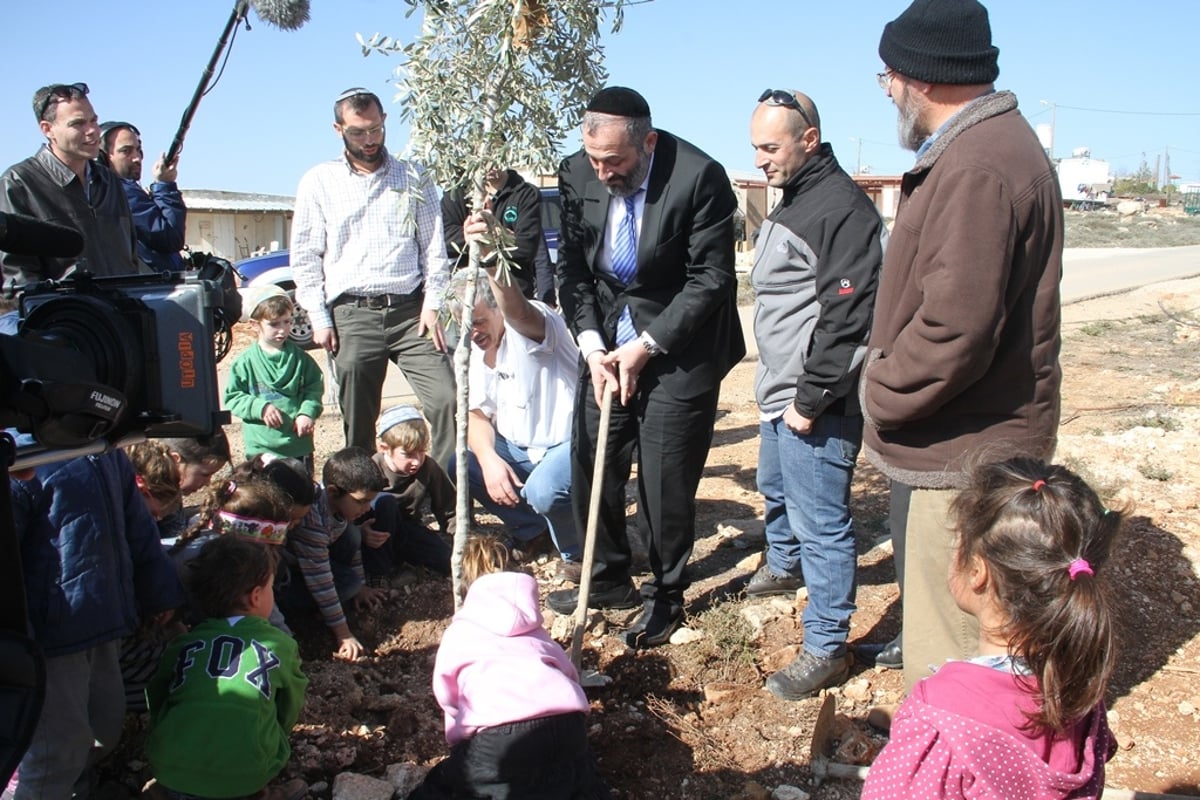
(941, 41)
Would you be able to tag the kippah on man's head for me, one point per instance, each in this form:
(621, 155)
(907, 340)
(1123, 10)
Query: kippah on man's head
(619, 101)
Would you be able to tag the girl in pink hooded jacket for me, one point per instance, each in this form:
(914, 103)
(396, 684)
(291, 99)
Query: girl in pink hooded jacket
(515, 713)
(1025, 717)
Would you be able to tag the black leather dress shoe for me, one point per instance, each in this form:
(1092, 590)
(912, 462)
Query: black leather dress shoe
(655, 626)
(623, 595)
(891, 656)
(885, 656)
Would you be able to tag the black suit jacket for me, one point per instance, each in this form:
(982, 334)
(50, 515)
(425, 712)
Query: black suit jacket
(685, 291)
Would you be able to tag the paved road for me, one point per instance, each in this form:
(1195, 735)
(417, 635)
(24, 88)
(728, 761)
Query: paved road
(1086, 273)
(1095, 272)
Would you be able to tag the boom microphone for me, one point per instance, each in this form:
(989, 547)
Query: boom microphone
(286, 14)
(26, 236)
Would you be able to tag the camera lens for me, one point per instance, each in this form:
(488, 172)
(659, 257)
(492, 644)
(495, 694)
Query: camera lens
(93, 327)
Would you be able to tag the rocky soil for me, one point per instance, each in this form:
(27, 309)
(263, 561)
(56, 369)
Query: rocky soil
(691, 719)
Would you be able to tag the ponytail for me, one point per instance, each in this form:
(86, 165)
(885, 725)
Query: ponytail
(1046, 538)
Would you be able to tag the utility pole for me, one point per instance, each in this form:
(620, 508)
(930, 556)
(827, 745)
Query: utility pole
(1166, 184)
(1053, 124)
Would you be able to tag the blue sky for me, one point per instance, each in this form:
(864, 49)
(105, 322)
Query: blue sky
(700, 63)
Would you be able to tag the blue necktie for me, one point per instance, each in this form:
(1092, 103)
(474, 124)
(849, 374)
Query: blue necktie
(624, 265)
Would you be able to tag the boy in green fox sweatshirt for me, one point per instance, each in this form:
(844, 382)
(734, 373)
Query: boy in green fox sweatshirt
(274, 387)
(227, 693)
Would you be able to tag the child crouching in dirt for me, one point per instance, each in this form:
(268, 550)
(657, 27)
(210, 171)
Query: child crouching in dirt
(1025, 717)
(515, 714)
(248, 505)
(227, 693)
(325, 569)
(398, 534)
(198, 459)
(156, 475)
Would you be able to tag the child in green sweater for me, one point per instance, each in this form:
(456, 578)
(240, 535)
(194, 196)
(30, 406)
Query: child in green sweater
(274, 387)
(227, 693)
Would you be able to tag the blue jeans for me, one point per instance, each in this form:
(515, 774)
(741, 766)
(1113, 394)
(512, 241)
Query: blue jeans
(805, 480)
(410, 543)
(545, 498)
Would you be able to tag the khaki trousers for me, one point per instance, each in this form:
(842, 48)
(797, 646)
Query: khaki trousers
(935, 629)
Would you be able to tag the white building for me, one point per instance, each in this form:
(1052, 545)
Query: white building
(235, 225)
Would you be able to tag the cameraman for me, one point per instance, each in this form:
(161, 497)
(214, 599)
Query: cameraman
(62, 184)
(159, 215)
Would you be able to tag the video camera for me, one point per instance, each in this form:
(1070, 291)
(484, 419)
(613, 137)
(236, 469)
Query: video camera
(94, 363)
(102, 361)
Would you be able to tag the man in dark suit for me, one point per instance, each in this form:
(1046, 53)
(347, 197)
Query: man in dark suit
(647, 285)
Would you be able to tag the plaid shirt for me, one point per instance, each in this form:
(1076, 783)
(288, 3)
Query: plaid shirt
(366, 234)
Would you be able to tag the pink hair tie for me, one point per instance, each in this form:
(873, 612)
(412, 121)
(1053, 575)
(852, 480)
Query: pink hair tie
(1078, 566)
(1038, 484)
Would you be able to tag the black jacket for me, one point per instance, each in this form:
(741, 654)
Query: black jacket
(41, 186)
(518, 205)
(685, 291)
(815, 271)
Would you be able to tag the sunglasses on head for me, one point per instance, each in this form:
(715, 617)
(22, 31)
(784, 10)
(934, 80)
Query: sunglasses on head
(59, 93)
(781, 97)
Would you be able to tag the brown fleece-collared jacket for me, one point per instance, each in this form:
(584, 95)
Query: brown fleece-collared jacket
(962, 364)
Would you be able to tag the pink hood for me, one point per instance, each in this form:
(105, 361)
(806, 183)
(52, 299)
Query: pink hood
(496, 663)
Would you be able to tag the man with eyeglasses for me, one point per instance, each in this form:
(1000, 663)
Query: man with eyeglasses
(647, 286)
(963, 361)
(159, 215)
(62, 183)
(370, 266)
(815, 272)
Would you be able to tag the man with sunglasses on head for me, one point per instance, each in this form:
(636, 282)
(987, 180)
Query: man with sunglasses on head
(370, 266)
(963, 360)
(159, 215)
(63, 184)
(815, 272)
(647, 286)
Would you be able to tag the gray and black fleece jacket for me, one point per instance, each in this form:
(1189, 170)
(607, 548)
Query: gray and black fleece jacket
(815, 273)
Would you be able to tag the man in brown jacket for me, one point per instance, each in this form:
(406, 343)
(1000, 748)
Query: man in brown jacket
(963, 360)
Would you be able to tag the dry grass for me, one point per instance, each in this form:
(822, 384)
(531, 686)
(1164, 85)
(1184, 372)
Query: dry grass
(1156, 228)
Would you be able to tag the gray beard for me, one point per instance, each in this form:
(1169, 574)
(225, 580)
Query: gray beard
(908, 127)
(633, 181)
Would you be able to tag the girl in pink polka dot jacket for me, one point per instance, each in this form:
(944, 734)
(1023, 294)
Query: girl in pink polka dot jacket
(1025, 718)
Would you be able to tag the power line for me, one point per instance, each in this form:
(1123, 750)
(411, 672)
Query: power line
(1116, 110)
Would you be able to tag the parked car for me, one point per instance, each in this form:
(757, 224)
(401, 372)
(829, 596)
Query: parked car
(275, 267)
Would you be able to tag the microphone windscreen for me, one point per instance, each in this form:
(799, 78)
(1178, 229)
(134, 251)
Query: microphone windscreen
(287, 15)
(26, 236)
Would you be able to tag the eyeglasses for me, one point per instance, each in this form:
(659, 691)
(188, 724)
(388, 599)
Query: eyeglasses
(358, 134)
(780, 97)
(59, 93)
(885, 79)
